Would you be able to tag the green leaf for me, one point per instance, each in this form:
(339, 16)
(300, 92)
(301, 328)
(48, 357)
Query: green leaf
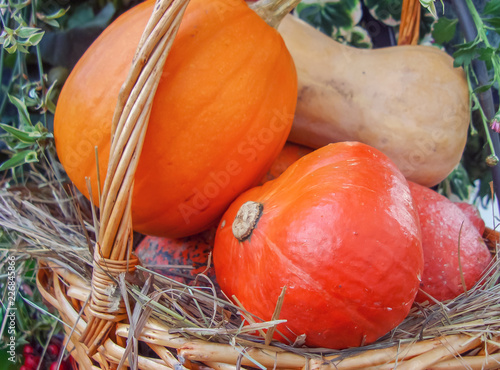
(487, 53)
(11, 49)
(465, 53)
(484, 88)
(429, 5)
(357, 37)
(493, 22)
(81, 15)
(385, 11)
(7, 40)
(460, 182)
(18, 159)
(57, 14)
(24, 136)
(19, 19)
(330, 17)
(444, 30)
(22, 48)
(24, 116)
(31, 35)
(36, 38)
(39, 127)
(51, 106)
(492, 7)
(104, 16)
(48, 100)
(26, 32)
(8, 31)
(4, 357)
(52, 22)
(19, 5)
(463, 58)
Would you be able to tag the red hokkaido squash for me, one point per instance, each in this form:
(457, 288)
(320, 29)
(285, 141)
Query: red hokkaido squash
(221, 113)
(181, 259)
(452, 243)
(339, 229)
(473, 215)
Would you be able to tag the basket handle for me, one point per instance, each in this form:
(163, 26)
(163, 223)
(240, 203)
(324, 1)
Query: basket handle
(113, 253)
(409, 29)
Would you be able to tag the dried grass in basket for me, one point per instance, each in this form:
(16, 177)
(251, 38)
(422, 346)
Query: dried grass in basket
(125, 315)
(173, 325)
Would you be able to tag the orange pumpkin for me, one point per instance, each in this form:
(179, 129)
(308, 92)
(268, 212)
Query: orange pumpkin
(340, 230)
(290, 153)
(221, 113)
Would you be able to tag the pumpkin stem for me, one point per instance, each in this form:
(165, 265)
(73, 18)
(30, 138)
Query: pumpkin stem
(246, 219)
(273, 11)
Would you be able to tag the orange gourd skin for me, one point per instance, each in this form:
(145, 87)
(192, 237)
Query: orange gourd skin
(340, 230)
(290, 153)
(221, 113)
(442, 221)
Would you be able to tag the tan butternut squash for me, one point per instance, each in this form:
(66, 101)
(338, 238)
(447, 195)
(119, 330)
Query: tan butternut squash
(407, 101)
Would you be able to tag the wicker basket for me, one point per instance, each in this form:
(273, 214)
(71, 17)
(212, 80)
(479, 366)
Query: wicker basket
(124, 317)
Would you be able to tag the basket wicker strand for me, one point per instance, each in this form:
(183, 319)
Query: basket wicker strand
(113, 255)
(409, 29)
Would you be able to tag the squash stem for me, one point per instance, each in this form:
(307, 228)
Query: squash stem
(273, 11)
(246, 220)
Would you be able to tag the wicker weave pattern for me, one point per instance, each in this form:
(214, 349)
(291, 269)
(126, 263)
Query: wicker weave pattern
(435, 353)
(114, 247)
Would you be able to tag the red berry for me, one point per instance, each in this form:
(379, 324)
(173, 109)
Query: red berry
(24, 367)
(28, 349)
(53, 350)
(31, 361)
(64, 366)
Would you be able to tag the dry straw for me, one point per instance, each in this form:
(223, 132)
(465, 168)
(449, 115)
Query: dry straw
(118, 314)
